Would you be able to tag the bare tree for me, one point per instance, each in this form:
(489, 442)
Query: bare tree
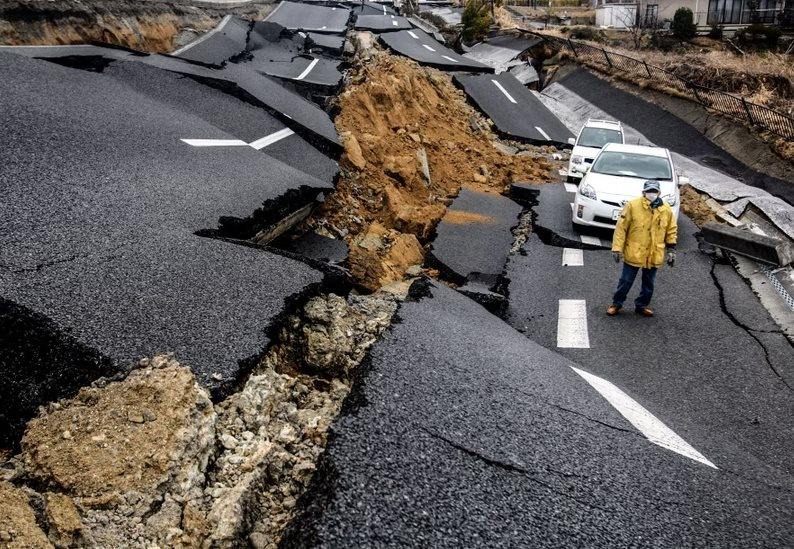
(638, 26)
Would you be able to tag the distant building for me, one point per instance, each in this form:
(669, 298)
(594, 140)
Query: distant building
(730, 13)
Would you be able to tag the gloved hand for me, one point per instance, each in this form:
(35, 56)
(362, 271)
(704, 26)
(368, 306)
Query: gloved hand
(670, 257)
(617, 256)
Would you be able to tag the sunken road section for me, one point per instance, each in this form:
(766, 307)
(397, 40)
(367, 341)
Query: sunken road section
(103, 197)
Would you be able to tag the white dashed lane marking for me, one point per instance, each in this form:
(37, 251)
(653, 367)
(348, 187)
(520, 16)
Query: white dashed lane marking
(448, 58)
(544, 134)
(260, 144)
(570, 187)
(427, 47)
(504, 91)
(572, 324)
(411, 33)
(571, 257)
(648, 424)
(308, 69)
(215, 142)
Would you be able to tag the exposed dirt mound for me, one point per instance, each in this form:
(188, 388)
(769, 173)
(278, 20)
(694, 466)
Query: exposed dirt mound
(141, 25)
(411, 142)
(693, 205)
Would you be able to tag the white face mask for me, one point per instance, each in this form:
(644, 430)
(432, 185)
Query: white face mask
(651, 196)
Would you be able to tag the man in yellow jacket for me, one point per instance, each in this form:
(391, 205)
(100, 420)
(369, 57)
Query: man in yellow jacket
(646, 229)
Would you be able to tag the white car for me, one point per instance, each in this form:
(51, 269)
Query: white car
(617, 176)
(593, 135)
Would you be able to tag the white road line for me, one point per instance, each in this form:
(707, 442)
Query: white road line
(260, 144)
(384, 10)
(215, 142)
(448, 58)
(570, 187)
(572, 324)
(544, 134)
(504, 91)
(302, 34)
(587, 239)
(307, 70)
(650, 426)
(411, 33)
(272, 13)
(206, 36)
(427, 47)
(323, 27)
(395, 23)
(571, 257)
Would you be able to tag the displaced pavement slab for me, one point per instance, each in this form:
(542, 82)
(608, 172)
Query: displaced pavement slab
(422, 48)
(247, 122)
(667, 130)
(295, 16)
(329, 43)
(473, 238)
(514, 110)
(463, 433)
(370, 8)
(98, 229)
(382, 23)
(501, 52)
(274, 52)
(300, 114)
(451, 16)
(552, 217)
(220, 44)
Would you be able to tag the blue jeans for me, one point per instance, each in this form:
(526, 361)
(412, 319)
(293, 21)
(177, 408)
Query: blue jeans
(627, 279)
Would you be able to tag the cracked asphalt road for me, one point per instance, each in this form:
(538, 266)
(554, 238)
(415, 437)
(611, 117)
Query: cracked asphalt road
(465, 433)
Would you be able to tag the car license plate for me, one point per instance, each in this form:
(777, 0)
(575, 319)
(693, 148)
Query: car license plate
(615, 214)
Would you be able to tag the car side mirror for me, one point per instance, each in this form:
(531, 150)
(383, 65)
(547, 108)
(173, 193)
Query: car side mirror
(572, 141)
(683, 180)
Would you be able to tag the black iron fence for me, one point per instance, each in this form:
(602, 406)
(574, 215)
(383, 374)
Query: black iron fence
(755, 115)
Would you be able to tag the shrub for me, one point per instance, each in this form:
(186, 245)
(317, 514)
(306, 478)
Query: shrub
(759, 36)
(476, 19)
(683, 26)
(715, 32)
(586, 33)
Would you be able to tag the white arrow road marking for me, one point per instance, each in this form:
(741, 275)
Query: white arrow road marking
(571, 257)
(544, 134)
(587, 239)
(650, 426)
(427, 47)
(570, 187)
(504, 91)
(215, 142)
(308, 69)
(448, 58)
(572, 324)
(260, 144)
(411, 33)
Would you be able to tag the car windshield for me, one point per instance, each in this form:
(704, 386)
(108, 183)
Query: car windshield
(641, 166)
(598, 137)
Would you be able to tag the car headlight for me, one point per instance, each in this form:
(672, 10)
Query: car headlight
(576, 159)
(588, 191)
(671, 199)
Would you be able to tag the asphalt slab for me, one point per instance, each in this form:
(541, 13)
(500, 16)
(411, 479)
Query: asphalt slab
(422, 48)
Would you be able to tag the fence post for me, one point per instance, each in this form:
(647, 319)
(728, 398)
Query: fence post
(570, 45)
(606, 57)
(747, 110)
(647, 69)
(693, 89)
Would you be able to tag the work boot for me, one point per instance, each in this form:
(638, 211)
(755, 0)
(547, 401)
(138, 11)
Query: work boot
(612, 310)
(644, 311)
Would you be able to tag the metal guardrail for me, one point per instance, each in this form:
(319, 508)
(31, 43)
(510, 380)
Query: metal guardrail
(737, 107)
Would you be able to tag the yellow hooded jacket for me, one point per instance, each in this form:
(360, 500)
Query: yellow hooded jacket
(642, 233)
